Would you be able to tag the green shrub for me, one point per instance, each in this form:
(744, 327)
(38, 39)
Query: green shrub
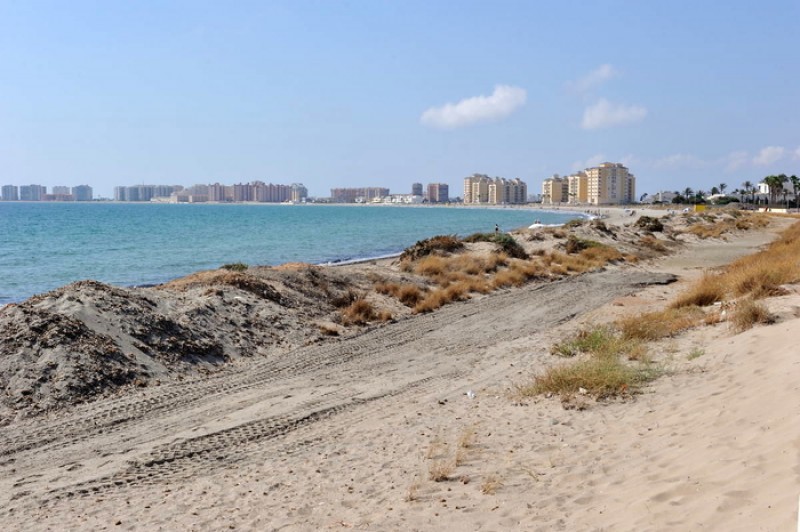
(505, 241)
(235, 267)
(436, 244)
(648, 223)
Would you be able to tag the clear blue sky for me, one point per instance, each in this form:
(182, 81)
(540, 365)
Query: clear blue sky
(373, 93)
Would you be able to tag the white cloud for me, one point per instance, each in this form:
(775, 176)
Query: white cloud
(769, 155)
(593, 79)
(604, 114)
(629, 160)
(796, 154)
(502, 102)
(594, 160)
(679, 160)
(735, 160)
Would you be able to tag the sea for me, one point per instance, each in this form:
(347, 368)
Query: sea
(47, 245)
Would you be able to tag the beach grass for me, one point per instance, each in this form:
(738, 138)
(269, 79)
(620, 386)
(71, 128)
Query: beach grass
(603, 367)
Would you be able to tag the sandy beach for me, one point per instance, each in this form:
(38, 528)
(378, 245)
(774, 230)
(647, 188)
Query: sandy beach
(347, 433)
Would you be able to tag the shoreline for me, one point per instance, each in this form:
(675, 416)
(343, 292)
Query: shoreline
(145, 278)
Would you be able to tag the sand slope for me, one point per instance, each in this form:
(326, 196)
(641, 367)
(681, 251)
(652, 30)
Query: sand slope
(345, 435)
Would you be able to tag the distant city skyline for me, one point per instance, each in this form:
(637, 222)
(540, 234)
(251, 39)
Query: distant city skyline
(381, 94)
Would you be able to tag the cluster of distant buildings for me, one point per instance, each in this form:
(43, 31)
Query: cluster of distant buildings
(39, 193)
(606, 184)
(256, 191)
(434, 193)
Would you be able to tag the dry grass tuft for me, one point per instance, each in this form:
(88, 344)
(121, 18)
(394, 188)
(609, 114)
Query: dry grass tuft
(466, 440)
(660, 324)
(491, 484)
(412, 493)
(438, 298)
(600, 377)
(749, 313)
(358, 312)
(707, 291)
(591, 340)
(441, 470)
(431, 266)
(651, 242)
(408, 294)
(601, 373)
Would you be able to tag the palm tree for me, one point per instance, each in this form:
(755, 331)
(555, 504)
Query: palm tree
(770, 181)
(775, 183)
(795, 185)
(687, 192)
(747, 186)
(699, 196)
(722, 187)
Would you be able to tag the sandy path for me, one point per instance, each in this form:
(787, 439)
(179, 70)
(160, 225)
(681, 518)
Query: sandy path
(342, 435)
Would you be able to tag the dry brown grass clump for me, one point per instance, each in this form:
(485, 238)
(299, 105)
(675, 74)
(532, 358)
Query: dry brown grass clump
(749, 313)
(358, 312)
(712, 226)
(651, 242)
(601, 255)
(707, 291)
(491, 484)
(441, 470)
(660, 324)
(442, 296)
(407, 293)
(762, 274)
(756, 276)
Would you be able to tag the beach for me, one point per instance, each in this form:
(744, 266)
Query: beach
(349, 433)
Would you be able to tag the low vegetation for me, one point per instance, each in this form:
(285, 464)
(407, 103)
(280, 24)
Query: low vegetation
(358, 312)
(505, 242)
(660, 324)
(235, 267)
(748, 313)
(609, 364)
(430, 246)
(648, 223)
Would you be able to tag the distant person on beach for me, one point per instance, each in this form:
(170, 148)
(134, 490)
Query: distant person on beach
(496, 229)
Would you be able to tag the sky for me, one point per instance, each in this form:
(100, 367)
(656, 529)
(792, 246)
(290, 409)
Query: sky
(387, 93)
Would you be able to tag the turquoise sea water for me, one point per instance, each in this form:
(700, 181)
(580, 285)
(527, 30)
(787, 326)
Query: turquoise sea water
(47, 245)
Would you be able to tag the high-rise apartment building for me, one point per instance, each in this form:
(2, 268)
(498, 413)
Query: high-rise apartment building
(32, 192)
(438, 193)
(60, 191)
(480, 188)
(507, 191)
(416, 189)
(555, 190)
(610, 184)
(82, 193)
(578, 188)
(10, 193)
(299, 193)
(476, 188)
